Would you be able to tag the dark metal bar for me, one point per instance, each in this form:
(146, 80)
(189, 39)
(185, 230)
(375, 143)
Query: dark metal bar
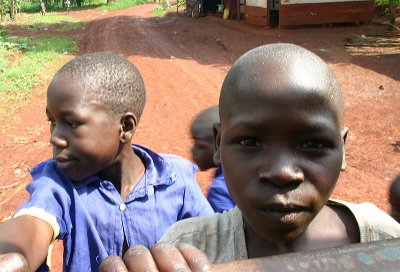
(382, 256)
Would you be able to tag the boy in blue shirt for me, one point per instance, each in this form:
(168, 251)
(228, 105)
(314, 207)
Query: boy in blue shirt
(203, 153)
(394, 199)
(99, 194)
(282, 147)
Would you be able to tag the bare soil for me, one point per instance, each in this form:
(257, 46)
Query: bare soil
(184, 61)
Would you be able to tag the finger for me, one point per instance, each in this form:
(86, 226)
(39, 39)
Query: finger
(113, 264)
(13, 262)
(195, 258)
(169, 258)
(138, 259)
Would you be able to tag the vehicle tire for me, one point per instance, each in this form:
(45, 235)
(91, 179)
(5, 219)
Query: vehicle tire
(183, 10)
(196, 9)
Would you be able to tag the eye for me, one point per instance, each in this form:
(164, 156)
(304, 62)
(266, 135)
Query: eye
(52, 123)
(250, 142)
(312, 144)
(72, 124)
(316, 147)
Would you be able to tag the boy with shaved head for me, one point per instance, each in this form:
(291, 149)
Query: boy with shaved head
(99, 194)
(203, 154)
(281, 146)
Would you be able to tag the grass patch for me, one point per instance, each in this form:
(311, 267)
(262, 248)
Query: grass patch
(120, 4)
(158, 11)
(36, 22)
(25, 68)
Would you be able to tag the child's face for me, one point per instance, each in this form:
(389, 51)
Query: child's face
(281, 154)
(85, 138)
(203, 149)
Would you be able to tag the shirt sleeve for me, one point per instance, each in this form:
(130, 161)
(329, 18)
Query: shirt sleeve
(49, 199)
(194, 201)
(220, 199)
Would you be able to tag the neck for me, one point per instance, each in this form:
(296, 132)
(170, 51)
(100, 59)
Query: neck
(332, 227)
(257, 246)
(125, 172)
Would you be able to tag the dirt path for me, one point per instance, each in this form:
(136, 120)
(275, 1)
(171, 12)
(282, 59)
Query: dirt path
(183, 62)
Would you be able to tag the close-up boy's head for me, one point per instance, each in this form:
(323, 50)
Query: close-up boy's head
(202, 134)
(281, 143)
(281, 68)
(111, 80)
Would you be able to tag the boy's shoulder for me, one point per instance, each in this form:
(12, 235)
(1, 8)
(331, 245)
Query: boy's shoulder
(373, 223)
(47, 167)
(224, 232)
(165, 161)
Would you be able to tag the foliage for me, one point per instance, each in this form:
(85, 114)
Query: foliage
(386, 2)
(167, 5)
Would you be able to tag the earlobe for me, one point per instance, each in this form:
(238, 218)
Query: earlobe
(216, 143)
(344, 133)
(128, 124)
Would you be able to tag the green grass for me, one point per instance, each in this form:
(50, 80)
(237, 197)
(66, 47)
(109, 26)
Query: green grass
(27, 63)
(20, 76)
(36, 22)
(158, 11)
(120, 4)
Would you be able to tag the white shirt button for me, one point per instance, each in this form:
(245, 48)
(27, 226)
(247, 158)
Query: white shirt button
(122, 207)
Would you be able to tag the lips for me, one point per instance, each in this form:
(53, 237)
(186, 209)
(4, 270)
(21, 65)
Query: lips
(64, 162)
(288, 212)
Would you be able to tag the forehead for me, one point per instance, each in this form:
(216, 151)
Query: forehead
(66, 94)
(280, 111)
(287, 82)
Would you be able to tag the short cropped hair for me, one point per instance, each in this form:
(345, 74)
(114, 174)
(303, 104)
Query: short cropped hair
(266, 61)
(110, 80)
(205, 120)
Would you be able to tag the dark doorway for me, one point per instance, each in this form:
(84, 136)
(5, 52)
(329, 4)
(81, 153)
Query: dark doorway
(274, 13)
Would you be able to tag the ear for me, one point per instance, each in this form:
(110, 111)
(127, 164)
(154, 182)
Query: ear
(128, 123)
(216, 143)
(344, 133)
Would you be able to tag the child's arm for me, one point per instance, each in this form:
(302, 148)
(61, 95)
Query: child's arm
(161, 257)
(25, 235)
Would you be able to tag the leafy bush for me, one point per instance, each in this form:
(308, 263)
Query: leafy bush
(386, 2)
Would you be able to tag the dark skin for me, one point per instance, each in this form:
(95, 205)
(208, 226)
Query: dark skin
(394, 199)
(281, 146)
(78, 125)
(203, 150)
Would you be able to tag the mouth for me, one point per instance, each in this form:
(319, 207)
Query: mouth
(64, 162)
(284, 212)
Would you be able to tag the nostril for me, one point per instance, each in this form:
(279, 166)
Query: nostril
(282, 176)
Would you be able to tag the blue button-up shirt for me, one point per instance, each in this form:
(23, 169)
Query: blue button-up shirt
(92, 218)
(218, 194)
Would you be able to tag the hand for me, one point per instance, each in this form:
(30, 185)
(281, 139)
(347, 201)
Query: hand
(161, 257)
(13, 262)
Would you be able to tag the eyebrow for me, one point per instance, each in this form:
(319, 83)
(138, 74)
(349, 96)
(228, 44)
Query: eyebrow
(64, 113)
(316, 126)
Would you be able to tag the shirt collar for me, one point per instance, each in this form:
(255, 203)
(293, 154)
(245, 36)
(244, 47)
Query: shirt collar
(158, 172)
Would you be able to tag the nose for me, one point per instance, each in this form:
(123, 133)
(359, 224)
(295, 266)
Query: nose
(281, 169)
(57, 139)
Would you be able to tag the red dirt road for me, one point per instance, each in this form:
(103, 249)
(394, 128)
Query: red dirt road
(183, 62)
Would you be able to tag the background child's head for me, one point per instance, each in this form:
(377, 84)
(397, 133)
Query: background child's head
(94, 104)
(281, 142)
(394, 199)
(202, 134)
